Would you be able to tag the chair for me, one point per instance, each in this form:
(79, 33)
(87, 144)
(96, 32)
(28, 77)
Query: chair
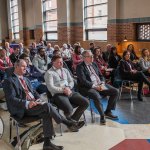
(120, 83)
(14, 120)
(125, 83)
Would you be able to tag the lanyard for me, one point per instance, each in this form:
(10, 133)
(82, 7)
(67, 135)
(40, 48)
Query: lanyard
(60, 75)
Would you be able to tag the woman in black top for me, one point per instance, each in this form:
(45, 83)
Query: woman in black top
(128, 71)
(114, 58)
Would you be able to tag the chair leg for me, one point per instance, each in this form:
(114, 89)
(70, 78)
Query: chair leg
(131, 88)
(120, 91)
(85, 119)
(18, 137)
(92, 114)
(10, 129)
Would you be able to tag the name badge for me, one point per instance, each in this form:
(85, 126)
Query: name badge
(31, 95)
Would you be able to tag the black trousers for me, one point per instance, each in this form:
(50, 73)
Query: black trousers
(96, 96)
(138, 77)
(67, 104)
(45, 112)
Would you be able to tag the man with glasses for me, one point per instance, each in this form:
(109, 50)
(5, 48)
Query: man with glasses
(92, 84)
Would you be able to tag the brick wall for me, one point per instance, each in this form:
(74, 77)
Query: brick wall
(117, 32)
(69, 35)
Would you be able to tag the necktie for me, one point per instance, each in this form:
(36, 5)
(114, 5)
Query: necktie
(28, 97)
(93, 72)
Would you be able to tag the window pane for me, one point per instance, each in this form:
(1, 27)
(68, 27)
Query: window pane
(98, 10)
(14, 18)
(15, 22)
(97, 35)
(96, 16)
(50, 19)
(16, 35)
(13, 2)
(52, 36)
(50, 26)
(16, 29)
(14, 9)
(49, 4)
(93, 2)
(95, 23)
(51, 16)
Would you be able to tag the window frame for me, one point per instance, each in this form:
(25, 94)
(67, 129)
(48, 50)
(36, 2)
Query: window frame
(46, 32)
(13, 19)
(93, 17)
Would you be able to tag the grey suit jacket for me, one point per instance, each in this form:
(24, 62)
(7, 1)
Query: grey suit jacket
(15, 95)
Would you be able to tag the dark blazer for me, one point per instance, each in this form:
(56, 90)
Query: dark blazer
(125, 69)
(83, 75)
(113, 61)
(15, 95)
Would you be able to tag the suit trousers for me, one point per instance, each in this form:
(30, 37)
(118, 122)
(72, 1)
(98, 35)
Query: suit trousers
(67, 103)
(96, 96)
(45, 112)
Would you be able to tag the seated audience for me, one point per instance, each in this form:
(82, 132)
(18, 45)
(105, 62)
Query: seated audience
(49, 50)
(56, 47)
(5, 63)
(145, 61)
(106, 53)
(128, 71)
(81, 48)
(92, 47)
(60, 84)
(8, 49)
(76, 57)
(33, 50)
(66, 55)
(41, 60)
(91, 83)
(31, 71)
(15, 55)
(21, 48)
(114, 58)
(98, 59)
(133, 56)
(23, 101)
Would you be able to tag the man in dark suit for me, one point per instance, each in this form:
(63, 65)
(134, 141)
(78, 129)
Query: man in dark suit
(23, 101)
(91, 83)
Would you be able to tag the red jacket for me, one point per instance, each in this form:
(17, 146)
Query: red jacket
(2, 65)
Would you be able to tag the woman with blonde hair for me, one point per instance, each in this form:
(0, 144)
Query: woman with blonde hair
(145, 61)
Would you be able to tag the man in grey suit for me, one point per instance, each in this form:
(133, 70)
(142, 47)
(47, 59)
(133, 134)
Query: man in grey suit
(60, 83)
(92, 84)
(22, 101)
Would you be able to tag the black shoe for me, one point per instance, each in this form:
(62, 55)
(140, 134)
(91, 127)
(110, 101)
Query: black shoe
(52, 146)
(102, 120)
(109, 115)
(73, 128)
(72, 120)
(80, 124)
(140, 98)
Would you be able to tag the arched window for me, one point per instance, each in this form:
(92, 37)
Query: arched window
(14, 18)
(50, 19)
(95, 19)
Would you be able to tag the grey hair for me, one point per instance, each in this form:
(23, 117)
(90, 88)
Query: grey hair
(85, 52)
(18, 62)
